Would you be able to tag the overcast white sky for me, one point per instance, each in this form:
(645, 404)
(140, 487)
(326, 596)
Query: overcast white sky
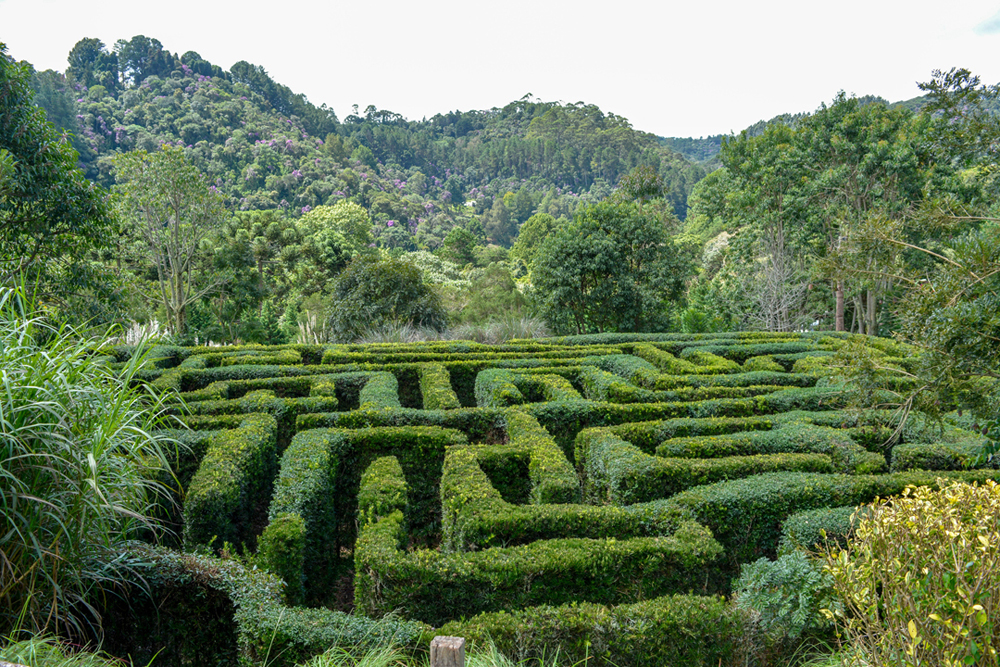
(690, 69)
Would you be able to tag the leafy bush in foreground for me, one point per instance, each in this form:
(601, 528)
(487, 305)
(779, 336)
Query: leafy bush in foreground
(920, 580)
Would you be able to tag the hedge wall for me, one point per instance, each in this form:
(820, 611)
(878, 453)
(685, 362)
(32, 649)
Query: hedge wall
(553, 478)
(305, 490)
(436, 587)
(319, 480)
(788, 438)
(435, 388)
(617, 472)
(682, 630)
(186, 609)
(814, 530)
(476, 517)
(229, 492)
(746, 515)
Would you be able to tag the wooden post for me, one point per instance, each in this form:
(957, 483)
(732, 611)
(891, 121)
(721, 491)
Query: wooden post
(448, 652)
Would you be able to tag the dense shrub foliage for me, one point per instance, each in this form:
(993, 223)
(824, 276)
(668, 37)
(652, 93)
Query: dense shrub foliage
(920, 577)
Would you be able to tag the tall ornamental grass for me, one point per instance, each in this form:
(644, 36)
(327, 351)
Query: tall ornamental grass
(79, 462)
(45, 651)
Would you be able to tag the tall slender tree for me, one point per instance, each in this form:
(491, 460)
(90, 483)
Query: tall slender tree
(172, 210)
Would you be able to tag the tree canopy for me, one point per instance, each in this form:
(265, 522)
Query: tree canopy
(611, 269)
(372, 293)
(47, 208)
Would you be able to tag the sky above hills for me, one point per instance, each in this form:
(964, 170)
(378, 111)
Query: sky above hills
(691, 69)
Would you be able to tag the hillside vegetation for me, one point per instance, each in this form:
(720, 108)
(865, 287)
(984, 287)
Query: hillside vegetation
(266, 147)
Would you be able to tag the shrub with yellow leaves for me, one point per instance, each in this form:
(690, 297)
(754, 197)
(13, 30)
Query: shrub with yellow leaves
(920, 579)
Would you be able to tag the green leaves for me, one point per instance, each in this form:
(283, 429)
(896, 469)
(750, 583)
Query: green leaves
(611, 269)
(926, 562)
(375, 292)
(171, 209)
(79, 467)
(47, 207)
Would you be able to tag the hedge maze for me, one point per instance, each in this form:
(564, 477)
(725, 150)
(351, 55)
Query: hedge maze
(593, 493)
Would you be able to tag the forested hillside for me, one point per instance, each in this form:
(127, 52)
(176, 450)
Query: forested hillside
(266, 147)
(542, 209)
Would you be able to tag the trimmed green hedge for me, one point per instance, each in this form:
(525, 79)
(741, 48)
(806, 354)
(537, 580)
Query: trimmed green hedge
(601, 385)
(380, 391)
(502, 387)
(681, 630)
(763, 363)
(843, 419)
(184, 457)
(436, 587)
(626, 366)
(745, 515)
(305, 489)
(282, 551)
(709, 362)
(743, 379)
(814, 364)
(794, 437)
(564, 420)
(196, 361)
(212, 422)
(678, 341)
(506, 508)
(934, 456)
(506, 466)
(789, 360)
(191, 379)
(619, 473)
(740, 352)
(371, 354)
(547, 385)
(813, 530)
(285, 410)
(191, 448)
(228, 493)
(382, 490)
(435, 388)
(319, 480)
(553, 478)
(217, 391)
(666, 362)
(495, 388)
(419, 449)
(186, 609)
(287, 357)
(648, 435)
(476, 423)
(476, 517)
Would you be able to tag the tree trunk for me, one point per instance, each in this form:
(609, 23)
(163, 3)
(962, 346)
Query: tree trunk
(859, 316)
(871, 313)
(840, 305)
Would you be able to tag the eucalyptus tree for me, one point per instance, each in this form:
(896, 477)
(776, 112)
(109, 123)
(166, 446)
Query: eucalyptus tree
(172, 210)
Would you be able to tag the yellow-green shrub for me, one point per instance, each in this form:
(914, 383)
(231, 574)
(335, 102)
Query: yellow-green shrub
(920, 579)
